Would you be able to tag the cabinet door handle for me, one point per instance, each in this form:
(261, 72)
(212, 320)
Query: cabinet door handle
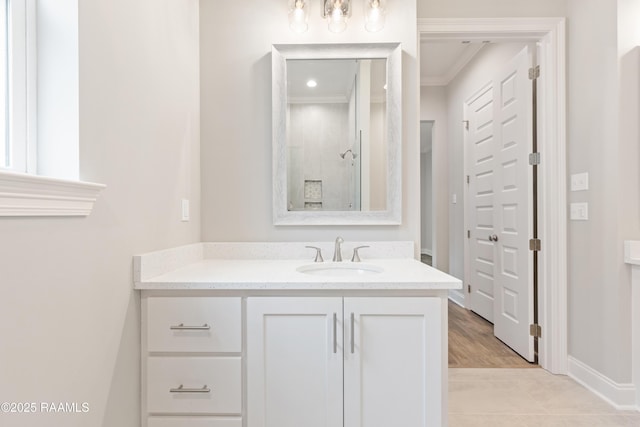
(182, 389)
(182, 327)
(335, 333)
(353, 329)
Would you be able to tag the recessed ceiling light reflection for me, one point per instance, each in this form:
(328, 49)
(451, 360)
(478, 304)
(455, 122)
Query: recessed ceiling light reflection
(312, 83)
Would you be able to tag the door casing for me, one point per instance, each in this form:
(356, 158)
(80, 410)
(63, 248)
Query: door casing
(549, 34)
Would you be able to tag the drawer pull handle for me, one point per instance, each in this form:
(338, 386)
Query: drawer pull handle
(353, 331)
(182, 327)
(182, 389)
(335, 332)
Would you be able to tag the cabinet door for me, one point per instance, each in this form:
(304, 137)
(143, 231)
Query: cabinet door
(294, 362)
(395, 362)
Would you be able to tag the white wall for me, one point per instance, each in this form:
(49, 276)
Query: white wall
(489, 8)
(426, 186)
(433, 106)
(236, 118)
(69, 319)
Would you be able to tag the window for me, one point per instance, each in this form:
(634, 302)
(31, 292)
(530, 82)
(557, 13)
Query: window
(52, 187)
(17, 85)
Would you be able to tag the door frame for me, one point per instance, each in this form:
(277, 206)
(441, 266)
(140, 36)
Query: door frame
(549, 34)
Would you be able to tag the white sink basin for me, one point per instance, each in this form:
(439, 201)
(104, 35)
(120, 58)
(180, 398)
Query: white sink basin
(339, 269)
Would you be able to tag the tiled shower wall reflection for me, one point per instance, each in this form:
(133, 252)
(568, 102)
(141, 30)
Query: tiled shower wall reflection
(318, 134)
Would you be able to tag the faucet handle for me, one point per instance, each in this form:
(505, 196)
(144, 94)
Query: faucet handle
(318, 253)
(356, 256)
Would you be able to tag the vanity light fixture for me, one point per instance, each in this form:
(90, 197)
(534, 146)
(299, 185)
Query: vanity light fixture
(298, 15)
(337, 12)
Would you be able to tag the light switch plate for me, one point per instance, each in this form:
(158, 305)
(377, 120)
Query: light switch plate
(454, 199)
(580, 181)
(185, 210)
(579, 211)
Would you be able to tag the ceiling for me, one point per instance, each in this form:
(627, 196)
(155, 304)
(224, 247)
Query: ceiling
(334, 77)
(441, 61)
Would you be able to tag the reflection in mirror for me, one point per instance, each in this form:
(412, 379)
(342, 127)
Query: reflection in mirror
(336, 134)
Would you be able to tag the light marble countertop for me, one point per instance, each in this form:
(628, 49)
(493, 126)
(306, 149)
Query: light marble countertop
(202, 272)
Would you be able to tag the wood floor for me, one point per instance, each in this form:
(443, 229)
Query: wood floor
(473, 345)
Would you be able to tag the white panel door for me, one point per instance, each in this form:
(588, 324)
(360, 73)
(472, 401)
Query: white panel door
(392, 375)
(294, 362)
(513, 104)
(481, 149)
(499, 140)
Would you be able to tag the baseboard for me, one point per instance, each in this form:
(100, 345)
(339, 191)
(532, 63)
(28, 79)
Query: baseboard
(457, 297)
(620, 396)
(424, 251)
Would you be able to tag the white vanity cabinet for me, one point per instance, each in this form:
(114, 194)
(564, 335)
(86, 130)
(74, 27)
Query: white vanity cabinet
(252, 335)
(346, 362)
(192, 361)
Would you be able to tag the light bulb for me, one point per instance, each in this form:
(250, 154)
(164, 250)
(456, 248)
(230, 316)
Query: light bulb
(298, 16)
(337, 20)
(374, 15)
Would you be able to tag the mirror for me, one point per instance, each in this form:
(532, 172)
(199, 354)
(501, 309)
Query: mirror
(336, 134)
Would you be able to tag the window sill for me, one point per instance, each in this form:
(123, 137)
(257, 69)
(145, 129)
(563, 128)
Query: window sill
(23, 195)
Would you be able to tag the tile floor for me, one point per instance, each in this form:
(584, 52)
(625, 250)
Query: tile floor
(527, 398)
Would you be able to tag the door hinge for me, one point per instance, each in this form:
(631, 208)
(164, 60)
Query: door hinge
(534, 159)
(468, 179)
(535, 245)
(534, 72)
(466, 124)
(468, 289)
(535, 330)
(468, 234)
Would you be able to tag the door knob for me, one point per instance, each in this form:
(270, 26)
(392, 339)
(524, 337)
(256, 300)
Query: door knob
(493, 238)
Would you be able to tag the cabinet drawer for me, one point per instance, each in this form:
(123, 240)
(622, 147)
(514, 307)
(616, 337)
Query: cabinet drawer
(193, 422)
(210, 385)
(194, 324)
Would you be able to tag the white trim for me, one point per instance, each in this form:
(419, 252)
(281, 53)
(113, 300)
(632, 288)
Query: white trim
(620, 396)
(632, 257)
(24, 195)
(550, 33)
(457, 296)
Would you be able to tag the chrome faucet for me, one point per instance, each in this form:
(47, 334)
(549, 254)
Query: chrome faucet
(337, 254)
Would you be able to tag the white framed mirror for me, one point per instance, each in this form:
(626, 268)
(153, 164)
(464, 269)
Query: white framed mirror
(337, 134)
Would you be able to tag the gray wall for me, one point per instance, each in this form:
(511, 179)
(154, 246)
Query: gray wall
(69, 318)
(603, 140)
(426, 191)
(236, 118)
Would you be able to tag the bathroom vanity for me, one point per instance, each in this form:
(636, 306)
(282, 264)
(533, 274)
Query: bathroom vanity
(260, 335)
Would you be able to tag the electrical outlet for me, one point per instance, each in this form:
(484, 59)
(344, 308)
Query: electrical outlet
(185, 209)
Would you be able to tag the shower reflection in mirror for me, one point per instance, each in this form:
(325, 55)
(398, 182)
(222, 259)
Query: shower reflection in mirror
(337, 156)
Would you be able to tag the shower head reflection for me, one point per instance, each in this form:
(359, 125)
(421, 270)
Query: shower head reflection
(353, 155)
